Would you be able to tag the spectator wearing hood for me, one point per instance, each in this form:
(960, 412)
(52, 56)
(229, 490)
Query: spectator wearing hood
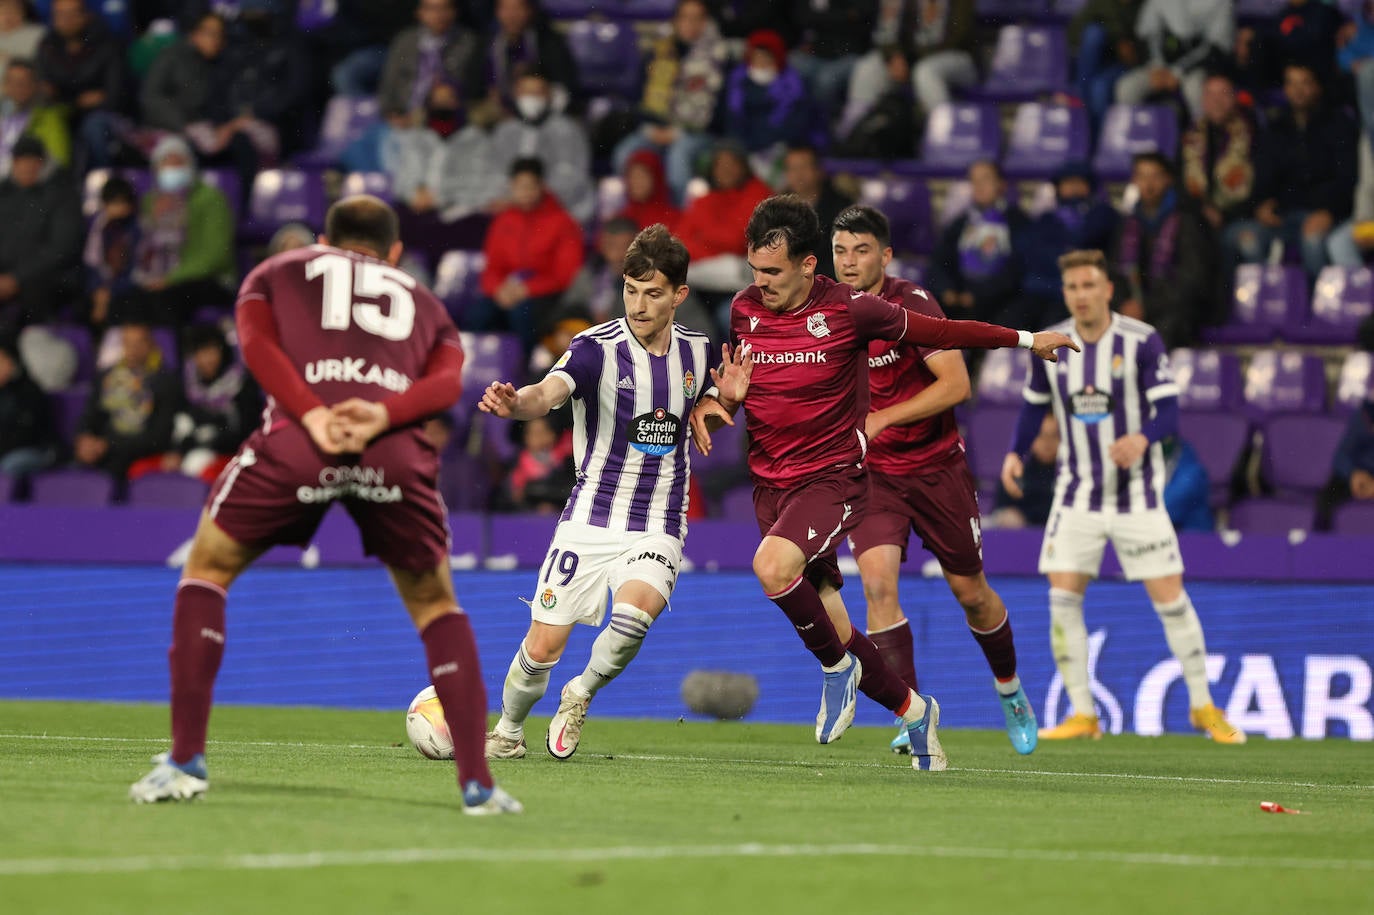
(27, 440)
(219, 406)
(712, 227)
(539, 128)
(1081, 220)
(648, 199)
(82, 65)
(767, 104)
(129, 413)
(40, 237)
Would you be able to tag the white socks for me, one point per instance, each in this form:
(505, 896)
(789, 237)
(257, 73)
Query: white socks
(526, 683)
(1069, 640)
(915, 710)
(1183, 630)
(615, 647)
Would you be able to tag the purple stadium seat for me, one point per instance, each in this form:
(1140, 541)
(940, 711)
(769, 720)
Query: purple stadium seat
(906, 204)
(1131, 129)
(1297, 452)
(859, 168)
(610, 198)
(958, 197)
(1218, 438)
(1065, 9)
(572, 9)
(1283, 382)
(738, 504)
(66, 410)
(488, 358)
(1354, 519)
(1268, 301)
(607, 55)
(727, 454)
(1356, 382)
(989, 438)
(312, 15)
(1207, 379)
(280, 196)
(72, 488)
(79, 337)
(457, 280)
(957, 135)
(1011, 10)
(1271, 516)
(1343, 297)
(1043, 138)
(140, 178)
(463, 482)
(1252, 10)
(1002, 378)
(1029, 60)
(345, 120)
(167, 490)
(378, 184)
(640, 10)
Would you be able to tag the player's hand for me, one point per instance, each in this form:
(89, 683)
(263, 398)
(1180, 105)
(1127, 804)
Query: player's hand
(324, 430)
(1012, 471)
(706, 410)
(1047, 341)
(1128, 449)
(498, 399)
(359, 422)
(736, 368)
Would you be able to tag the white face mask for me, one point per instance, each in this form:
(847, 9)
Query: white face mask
(762, 76)
(174, 178)
(531, 107)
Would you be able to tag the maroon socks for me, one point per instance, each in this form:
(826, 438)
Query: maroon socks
(895, 645)
(197, 649)
(999, 648)
(802, 604)
(456, 675)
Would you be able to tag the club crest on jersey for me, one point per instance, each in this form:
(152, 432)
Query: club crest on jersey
(816, 324)
(1090, 405)
(655, 433)
(1118, 365)
(548, 600)
(689, 384)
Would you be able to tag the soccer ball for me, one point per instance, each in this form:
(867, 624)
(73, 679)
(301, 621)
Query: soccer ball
(426, 728)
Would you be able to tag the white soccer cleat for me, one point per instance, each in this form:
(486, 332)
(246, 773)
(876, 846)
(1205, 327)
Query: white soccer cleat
(487, 802)
(565, 730)
(499, 746)
(926, 753)
(170, 782)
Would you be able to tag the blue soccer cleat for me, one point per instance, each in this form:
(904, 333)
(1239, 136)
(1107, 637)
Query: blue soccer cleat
(1022, 727)
(902, 742)
(838, 698)
(926, 753)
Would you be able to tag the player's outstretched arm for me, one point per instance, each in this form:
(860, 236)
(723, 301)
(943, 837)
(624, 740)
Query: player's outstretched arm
(501, 398)
(1046, 343)
(942, 333)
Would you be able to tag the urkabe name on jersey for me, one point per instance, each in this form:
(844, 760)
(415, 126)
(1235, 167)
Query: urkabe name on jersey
(1099, 395)
(352, 325)
(808, 394)
(630, 433)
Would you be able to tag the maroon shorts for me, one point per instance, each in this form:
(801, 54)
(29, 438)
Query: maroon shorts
(816, 516)
(278, 487)
(940, 504)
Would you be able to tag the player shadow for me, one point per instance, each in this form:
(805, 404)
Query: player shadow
(327, 792)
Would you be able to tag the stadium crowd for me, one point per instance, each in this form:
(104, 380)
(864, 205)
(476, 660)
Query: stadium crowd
(153, 151)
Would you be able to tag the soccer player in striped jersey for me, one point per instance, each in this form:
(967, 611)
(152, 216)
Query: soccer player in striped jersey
(920, 480)
(806, 404)
(632, 382)
(1115, 402)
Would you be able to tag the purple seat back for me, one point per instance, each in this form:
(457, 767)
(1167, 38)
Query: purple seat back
(345, 120)
(167, 490)
(959, 134)
(906, 204)
(1065, 9)
(1284, 382)
(1207, 379)
(1028, 60)
(859, 168)
(570, 9)
(738, 504)
(607, 56)
(1267, 301)
(1343, 297)
(72, 488)
(1257, 9)
(463, 482)
(1354, 519)
(1003, 10)
(285, 195)
(727, 455)
(1356, 382)
(66, 410)
(989, 438)
(1271, 516)
(1131, 129)
(1044, 137)
(1002, 379)
(1297, 452)
(315, 14)
(1218, 438)
(909, 269)
(378, 184)
(488, 358)
(640, 9)
(457, 280)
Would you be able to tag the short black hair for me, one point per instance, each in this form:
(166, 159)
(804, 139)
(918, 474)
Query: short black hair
(363, 220)
(657, 250)
(528, 165)
(864, 220)
(201, 336)
(117, 187)
(990, 163)
(784, 219)
(809, 149)
(1155, 158)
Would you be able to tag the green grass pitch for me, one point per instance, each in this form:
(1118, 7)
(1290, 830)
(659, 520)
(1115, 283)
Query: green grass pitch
(331, 811)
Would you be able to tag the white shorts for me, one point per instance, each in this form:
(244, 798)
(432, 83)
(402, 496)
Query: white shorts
(1145, 543)
(585, 564)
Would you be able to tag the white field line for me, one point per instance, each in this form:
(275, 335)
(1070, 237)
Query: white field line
(731, 760)
(314, 860)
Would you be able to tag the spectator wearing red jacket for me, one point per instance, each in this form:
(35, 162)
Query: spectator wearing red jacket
(533, 251)
(712, 228)
(648, 199)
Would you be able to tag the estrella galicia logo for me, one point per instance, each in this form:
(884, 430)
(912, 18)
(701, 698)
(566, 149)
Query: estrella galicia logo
(655, 433)
(1090, 405)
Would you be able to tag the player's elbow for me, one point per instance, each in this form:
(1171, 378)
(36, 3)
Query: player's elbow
(960, 389)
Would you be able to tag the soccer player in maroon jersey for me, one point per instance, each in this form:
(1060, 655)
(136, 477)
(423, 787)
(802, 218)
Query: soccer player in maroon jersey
(354, 355)
(920, 479)
(805, 407)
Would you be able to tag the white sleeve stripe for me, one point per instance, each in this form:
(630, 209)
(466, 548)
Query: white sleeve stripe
(252, 295)
(1160, 391)
(712, 391)
(1036, 397)
(568, 380)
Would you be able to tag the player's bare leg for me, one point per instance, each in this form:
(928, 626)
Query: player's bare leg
(456, 674)
(1183, 631)
(527, 680)
(634, 607)
(1069, 641)
(216, 559)
(990, 625)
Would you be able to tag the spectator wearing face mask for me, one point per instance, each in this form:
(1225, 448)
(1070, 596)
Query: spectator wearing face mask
(559, 141)
(767, 104)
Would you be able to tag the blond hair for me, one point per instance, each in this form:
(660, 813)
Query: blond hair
(1091, 258)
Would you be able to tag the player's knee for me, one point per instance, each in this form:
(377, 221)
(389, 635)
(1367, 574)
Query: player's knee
(542, 649)
(774, 573)
(881, 596)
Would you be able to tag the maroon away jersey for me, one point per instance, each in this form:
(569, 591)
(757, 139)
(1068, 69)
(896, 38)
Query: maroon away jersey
(809, 392)
(352, 325)
(897, 372)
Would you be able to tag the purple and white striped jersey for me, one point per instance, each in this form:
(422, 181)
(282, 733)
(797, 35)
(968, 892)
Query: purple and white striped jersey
(630, 430)
(1099, 395)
